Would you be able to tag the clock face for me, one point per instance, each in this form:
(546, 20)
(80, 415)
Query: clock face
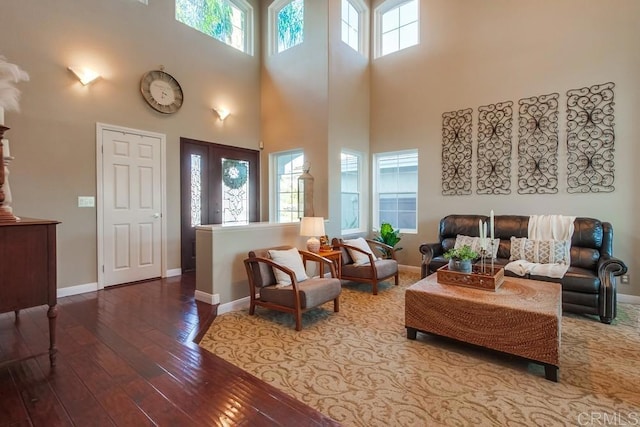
(161, 91)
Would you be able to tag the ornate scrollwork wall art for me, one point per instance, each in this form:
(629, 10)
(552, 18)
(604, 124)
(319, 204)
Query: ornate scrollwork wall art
(538, 145)
(590, 139)
(495, 122)
(456, 152)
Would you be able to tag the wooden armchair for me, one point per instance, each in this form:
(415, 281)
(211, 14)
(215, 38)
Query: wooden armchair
(295, 298)
(375, 271)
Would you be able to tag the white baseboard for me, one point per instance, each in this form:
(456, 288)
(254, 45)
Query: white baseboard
(211, 299)
(236, 305)
(632, 299)
(173, 272)
(76, 290)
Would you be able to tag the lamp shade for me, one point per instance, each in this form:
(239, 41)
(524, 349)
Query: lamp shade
(312, 226)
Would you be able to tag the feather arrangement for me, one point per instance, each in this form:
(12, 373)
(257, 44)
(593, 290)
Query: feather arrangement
(9, 75)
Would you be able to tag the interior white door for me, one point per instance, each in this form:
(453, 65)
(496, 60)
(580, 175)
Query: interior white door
(132, 203)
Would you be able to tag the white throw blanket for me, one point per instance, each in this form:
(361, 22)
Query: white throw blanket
(545, 227)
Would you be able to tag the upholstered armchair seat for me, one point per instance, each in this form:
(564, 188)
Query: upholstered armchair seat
(373, 272)
(311, 293)
(295, 298)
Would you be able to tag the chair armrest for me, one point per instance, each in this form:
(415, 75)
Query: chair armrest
(429, 251)
(310, 256)
(273, 264)
(610, 265)
(385, 248)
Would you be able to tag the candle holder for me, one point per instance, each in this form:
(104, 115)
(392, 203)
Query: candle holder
(492, 243)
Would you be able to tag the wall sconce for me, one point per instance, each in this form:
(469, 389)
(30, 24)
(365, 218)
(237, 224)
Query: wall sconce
(222, 113)
(85, 75)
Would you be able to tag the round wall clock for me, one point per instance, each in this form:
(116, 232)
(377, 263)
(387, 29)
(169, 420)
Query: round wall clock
(161, 91)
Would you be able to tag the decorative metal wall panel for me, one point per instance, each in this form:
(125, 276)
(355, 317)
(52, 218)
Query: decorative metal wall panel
(538, 145)
(495, 122)
(590, 139)
(456, 152)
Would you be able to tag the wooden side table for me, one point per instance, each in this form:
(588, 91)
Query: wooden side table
(335, 256)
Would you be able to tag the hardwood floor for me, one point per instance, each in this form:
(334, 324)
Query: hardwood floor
(126, 357)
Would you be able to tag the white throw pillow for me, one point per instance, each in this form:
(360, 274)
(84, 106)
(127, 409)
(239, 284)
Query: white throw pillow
(541, 251)
(474, 244)
(289, 258)
(358, 257)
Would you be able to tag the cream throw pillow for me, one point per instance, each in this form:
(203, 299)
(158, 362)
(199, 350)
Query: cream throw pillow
(541, 251)
(289, 258)
(474, 244)
(358, 257)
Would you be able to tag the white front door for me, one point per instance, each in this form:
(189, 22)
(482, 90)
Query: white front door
(131, 206)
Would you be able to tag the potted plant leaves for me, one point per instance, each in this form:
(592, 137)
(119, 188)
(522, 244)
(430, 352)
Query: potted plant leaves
(388, 236)
(460, 259)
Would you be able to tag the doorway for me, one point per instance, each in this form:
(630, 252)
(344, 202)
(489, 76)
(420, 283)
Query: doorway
(131, 207)
(219, 184)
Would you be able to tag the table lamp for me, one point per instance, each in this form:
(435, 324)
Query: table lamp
(312, 227)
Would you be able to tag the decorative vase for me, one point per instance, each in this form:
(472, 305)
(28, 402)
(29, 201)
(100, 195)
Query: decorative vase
(460, 265)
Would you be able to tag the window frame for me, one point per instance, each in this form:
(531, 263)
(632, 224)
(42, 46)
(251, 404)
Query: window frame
(245, 7)
(375, 214)
(381, 10)
(274, 184)
(273, 12)
(363, 25)
(361, 206)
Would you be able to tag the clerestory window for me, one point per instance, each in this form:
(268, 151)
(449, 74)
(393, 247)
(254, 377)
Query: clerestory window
(286, 24)
(229, 21)
(397, 26)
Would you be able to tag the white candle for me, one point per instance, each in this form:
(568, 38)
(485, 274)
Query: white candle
(492, 225)
(1, 116)
(480, 228)
(484, 230)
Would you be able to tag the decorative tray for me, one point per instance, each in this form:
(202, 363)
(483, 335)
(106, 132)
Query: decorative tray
(475, 279)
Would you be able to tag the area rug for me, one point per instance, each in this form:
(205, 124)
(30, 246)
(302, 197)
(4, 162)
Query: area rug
(358, 367)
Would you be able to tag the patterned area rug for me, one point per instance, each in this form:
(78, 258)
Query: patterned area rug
(358, 367)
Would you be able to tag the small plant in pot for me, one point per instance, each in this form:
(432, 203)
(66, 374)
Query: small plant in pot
(460, 259)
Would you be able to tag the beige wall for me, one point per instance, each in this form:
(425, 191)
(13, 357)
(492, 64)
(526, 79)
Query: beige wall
(477, 53)
(294, 101)
(53, 137)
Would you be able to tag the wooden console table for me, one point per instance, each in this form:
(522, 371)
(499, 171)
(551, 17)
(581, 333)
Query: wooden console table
(28, 270)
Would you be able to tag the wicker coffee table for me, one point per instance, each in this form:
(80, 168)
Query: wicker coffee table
(521, 318)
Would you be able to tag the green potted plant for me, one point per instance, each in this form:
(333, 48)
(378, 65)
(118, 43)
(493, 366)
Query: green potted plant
(460, 259)
(389, 236)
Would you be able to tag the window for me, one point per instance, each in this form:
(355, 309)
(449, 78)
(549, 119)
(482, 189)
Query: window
(397, 26)
(351, 202)
(229, 21)
(287, 167)
(286, 24)
(396, 189)
(350, 25)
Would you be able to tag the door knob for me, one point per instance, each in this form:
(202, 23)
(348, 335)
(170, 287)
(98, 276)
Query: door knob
(156, 215)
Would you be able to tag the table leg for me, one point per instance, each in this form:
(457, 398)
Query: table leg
(412, 333)
(52, 314)
(551, 372)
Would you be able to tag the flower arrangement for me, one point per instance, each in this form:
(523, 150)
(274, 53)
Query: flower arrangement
(9, 94)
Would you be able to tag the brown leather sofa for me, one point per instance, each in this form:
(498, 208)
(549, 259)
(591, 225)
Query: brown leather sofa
(589, 286)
